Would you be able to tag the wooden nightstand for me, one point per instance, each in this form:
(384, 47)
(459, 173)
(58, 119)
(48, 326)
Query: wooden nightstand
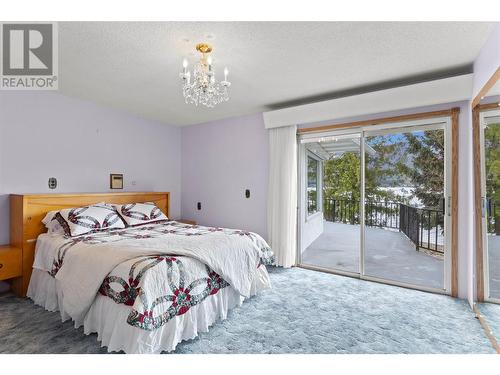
(185, 221)
(10, 262)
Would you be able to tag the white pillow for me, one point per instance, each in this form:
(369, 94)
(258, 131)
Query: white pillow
(52, 224)
(140, 213)
(81, 220)
(49, 217)
(54, 227)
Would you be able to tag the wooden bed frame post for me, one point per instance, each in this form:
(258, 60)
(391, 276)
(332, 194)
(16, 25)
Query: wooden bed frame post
(19, 285)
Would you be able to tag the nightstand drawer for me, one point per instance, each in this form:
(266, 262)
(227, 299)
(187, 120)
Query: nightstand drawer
(10, 262)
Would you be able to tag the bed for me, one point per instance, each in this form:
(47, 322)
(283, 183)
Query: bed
(143, 288)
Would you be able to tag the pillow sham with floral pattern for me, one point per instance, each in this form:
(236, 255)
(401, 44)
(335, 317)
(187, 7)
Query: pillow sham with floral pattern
(140, 213)
(82, 220)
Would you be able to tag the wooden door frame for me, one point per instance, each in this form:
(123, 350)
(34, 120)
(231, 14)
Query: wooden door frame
(487, 87)
(478, 217)
(453, 113)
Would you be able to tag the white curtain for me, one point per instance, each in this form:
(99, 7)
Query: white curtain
(282, 198)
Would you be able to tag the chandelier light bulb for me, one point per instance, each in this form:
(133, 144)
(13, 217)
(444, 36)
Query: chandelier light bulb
(226, 72)
(209, 60)
(184, 63)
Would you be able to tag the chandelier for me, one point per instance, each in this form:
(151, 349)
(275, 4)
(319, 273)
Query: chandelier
(203, 88)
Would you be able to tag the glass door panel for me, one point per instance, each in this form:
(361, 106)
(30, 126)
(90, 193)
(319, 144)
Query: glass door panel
(404, 184)
(330, 229)
(491, 177)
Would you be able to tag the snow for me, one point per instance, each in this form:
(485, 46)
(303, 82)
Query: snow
(405, 192)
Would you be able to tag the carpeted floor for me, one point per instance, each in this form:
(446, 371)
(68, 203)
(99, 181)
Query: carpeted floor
(491, 313)
(305, 312)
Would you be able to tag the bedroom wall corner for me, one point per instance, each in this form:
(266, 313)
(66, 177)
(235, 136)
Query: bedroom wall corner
(221, 159)
(465, 204)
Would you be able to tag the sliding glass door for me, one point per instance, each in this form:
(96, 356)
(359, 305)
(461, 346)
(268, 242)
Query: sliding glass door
(404, 203)
(374, 203)
(490, 126)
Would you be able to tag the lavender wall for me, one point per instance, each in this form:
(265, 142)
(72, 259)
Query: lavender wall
(44, 134)
(219, 161)
(488, 60)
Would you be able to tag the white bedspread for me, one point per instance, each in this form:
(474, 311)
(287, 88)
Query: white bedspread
(83, 263)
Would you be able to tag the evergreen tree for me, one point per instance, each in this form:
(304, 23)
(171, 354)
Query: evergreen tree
(342, 177)
(492, 164)
(413, 159)
(342, 174)
(423, 163)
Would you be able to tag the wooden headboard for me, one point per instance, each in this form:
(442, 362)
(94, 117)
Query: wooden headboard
(27, 212)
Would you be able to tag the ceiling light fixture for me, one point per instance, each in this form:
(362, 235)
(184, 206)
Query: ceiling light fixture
(204, 88)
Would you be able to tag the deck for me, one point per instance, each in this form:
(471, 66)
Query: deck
(494, 265)
(389, 255)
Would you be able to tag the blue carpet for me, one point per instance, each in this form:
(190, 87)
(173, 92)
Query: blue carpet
(305, 312)
(491, 313)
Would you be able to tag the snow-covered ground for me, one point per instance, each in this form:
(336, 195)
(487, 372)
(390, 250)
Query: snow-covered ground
(404, 192)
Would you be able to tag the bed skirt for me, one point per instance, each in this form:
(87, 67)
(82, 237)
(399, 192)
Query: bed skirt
(109, 319)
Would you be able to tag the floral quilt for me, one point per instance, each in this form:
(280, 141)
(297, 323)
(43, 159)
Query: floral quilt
(159, 284)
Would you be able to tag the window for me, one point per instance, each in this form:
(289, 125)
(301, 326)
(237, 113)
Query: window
(312, 185)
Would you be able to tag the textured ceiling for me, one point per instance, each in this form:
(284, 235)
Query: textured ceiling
(134, 66)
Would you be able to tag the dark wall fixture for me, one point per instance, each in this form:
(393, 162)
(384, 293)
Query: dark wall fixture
(52, 183)
(247, 193)
(199, 205)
